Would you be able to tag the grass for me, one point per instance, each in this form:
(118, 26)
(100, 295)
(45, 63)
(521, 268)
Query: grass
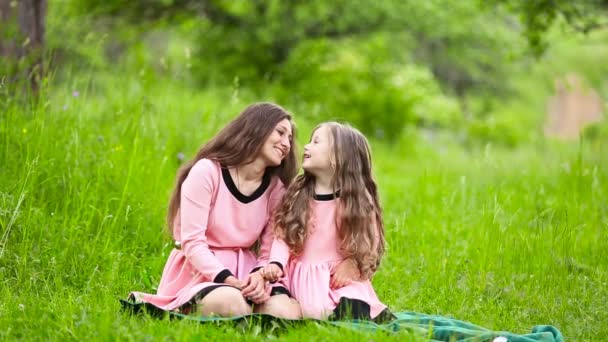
(503, 239)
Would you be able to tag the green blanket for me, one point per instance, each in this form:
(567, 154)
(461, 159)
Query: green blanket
(431, 327)
(439, 328)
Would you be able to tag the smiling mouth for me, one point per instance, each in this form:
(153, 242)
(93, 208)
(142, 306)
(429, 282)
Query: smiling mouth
(306, 155)
(282, 153)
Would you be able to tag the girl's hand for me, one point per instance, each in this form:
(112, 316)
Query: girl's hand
(343, 274)
(272, 272)
(233, 281)
(255, 288)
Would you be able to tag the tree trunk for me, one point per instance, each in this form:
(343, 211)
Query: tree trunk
(22, 24)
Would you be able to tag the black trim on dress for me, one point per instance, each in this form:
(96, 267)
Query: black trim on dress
(238, 195)
(220, 277)
(350, 308)
(326, 197)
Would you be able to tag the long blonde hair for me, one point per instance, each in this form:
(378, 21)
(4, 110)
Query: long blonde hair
(358, 216)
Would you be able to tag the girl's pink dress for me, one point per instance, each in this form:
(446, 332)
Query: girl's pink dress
(217, 227)
(308, 275)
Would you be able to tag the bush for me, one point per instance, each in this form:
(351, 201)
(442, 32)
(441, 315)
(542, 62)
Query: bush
(358, 83)
(596, 132)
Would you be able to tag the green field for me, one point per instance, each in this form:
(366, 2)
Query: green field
(506, 239)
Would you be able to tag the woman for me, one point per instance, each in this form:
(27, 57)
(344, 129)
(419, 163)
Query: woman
(220, 211)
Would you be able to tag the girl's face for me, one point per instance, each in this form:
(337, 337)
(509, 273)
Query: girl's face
(317, 152)
(278, 144)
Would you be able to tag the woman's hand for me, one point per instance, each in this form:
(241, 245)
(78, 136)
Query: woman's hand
(233, 281)
(255, 288)
(272, 272)
(343, 274)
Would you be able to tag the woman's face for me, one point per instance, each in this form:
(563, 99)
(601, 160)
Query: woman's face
(278, 144)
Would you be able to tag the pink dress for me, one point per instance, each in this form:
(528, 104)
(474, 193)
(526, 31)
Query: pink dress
(308, 275)
(217, 227)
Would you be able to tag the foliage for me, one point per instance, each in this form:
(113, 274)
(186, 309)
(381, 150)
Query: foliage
(456, 66)
(539, 16)
(350, 80)
(253, 40)
(596, 133)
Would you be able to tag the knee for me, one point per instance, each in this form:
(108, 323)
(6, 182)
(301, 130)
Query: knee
(290, 312)
(282, 306)
(225, 302)
(236, 305)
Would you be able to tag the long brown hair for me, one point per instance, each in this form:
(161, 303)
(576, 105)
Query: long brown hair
(238, 143)
(358, 216)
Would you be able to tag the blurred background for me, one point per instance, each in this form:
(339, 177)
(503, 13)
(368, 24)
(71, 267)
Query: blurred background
(446, 72)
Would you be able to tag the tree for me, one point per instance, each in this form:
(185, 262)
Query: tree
(22, 41)
(254, 39)
(538, 16)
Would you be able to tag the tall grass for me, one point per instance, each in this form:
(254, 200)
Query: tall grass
(504, 239)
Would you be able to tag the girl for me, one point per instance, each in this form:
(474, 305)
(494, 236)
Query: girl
(220, 207)
(331, 214)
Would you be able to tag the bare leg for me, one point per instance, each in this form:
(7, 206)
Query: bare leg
(224, 301)
(281, 306)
